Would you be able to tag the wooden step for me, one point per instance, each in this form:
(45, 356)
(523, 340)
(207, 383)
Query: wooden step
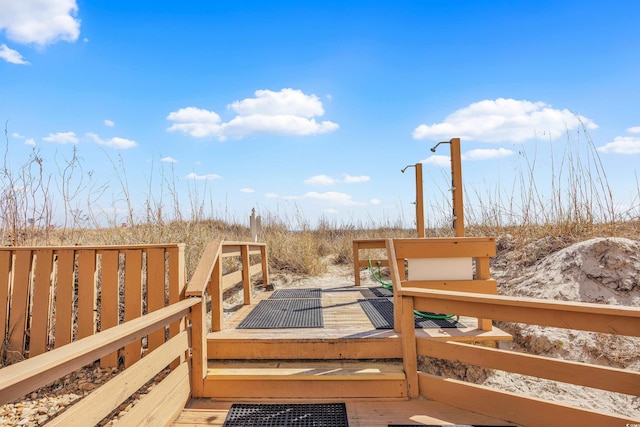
(303, 380)
(225, 348)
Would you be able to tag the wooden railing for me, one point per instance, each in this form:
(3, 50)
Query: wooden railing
(501, 404)
(52, 296)
(208, 280)
(400, 250)
(158, 407)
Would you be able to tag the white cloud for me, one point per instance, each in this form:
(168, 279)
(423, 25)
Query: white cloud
(115, 142)
(635, 129)
(247, 190)
(486, 154)
(39, 21)
(375, 201)
(504, 120)
(271, 196)
(30, 141)
(109, 123)
(332, 197)
(196, 122)
(330, 211)
(622, 145)
(438, 160)
(320, 180)
(17, 135)
(197, 177)
(287, 112)
(12, 56)
(355, 179)
(327, 180)
(168, 159)
(62, 138)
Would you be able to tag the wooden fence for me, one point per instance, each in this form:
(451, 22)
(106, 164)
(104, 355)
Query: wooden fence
(52, 296)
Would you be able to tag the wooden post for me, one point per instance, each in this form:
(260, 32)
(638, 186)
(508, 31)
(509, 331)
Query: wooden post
(419, 201)
(356, 263)
(456, 187)
(246, 277)
(409, 352)
(483, 272)
(265, 266)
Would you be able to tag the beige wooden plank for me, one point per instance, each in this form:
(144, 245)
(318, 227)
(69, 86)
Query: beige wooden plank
(86, 293)
(103, 247)
(409, 356)
(264, 260)
(110, 297)
(445, 247)
(198, 349)
(486, 286)
(364, 263)
(41, 299)
(303, 348)
(155, 291)
(520, 409)
(246, 275)
(255, 269)
(132, 300)
(164, 403)
(232, 279)
(280, 370)
(216, 293)
(570, 315)
(19, 311)
(370, 243)
(93, 408)
(177, 286)
(602, 377)
(306, 389)
(6, 258)
(21, 378)
(202, 274)
(64, 297)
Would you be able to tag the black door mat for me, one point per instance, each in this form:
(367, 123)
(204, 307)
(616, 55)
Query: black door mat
(287, 415)
(380, 313)
(381, 292)
(285, 313)
(296, 293)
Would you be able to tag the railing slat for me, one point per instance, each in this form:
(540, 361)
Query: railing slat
(19, 310)
(110, 299)
(177, 286)
(64, 297)
(132, 300)
(42, 296)
(602, 377)
(163, 404)
(86, 293)
(155, 291)
(510, 406)
(5, 273)
(93, 408)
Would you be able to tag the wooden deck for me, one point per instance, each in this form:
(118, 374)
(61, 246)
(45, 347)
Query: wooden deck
(344, 319)
(317, 355)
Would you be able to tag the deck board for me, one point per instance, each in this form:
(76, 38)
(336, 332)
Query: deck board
(375, 413)
(344, 318)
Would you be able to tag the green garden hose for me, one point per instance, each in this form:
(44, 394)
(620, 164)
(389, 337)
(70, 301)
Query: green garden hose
(389, 286)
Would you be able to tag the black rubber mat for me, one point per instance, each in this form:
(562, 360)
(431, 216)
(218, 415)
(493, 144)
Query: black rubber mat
(285, 313)
(381, 292)
(296, 293)
(287, 415)
(380, 313)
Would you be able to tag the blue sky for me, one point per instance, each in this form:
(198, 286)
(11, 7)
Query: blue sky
(313, 108)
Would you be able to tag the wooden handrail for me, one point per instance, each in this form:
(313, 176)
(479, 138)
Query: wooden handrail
(202, 275)
(560, 314)
(23, 377)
